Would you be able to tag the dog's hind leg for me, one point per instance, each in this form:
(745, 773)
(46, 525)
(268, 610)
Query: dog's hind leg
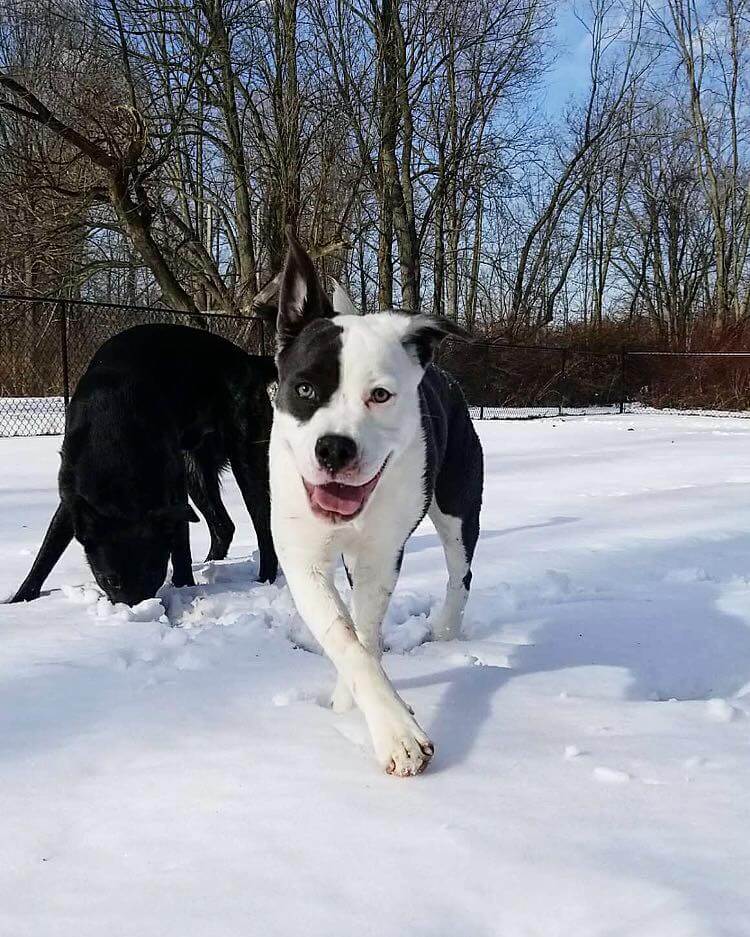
(58, 536)
(459, 537)
(251, 473)
(203, 488)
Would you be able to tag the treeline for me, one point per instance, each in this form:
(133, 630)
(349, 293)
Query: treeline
(154, 151)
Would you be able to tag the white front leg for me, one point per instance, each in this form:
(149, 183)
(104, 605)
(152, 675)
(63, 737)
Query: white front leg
(372, 587)
(401, 747)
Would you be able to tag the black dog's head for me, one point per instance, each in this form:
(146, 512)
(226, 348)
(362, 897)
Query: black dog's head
(122, 486)
(128, 556)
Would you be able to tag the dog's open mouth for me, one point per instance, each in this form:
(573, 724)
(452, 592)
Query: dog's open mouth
(337, 501)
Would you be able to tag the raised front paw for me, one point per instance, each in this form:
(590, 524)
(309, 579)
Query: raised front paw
(401, 747)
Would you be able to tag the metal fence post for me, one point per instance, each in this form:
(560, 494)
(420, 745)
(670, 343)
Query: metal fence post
(62, 312)
(623, 355)
(561, 390)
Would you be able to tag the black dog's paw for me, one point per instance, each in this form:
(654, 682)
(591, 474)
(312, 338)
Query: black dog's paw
(24, 595)
(180, 581)
(268, 572)
(216, 553)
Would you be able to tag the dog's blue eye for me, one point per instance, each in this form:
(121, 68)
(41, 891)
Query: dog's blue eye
(305, 391)
(380, 395)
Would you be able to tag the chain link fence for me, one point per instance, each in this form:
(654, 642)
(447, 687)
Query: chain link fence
(505, 381)
(46, 344)
(509, 381)
(691, 382)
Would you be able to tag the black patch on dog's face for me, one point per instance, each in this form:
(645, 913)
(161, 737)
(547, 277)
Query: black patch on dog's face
(314, 358)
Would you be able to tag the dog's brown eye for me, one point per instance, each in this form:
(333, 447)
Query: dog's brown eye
(380, 395)
(305, 391)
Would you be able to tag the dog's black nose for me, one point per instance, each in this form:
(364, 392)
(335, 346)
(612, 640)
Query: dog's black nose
(335, 452)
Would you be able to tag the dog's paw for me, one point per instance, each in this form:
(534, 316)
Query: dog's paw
(268, 570)
(445, 628)
(341, 698)
(401, 747)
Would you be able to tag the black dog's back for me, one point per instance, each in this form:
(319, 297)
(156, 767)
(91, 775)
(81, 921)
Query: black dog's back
(197, 375)
(153, 390)
(162, 351)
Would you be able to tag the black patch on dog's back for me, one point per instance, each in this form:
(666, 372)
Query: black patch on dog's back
(454, 468)
(314, 358)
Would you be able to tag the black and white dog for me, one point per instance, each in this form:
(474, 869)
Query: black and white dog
(368, 436)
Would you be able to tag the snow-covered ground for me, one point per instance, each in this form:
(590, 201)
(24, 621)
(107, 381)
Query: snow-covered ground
(180, 776)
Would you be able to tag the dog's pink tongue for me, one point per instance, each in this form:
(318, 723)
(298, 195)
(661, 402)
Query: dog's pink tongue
(338, 498)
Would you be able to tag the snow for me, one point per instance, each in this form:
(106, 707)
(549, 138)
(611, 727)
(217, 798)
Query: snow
(172, 769)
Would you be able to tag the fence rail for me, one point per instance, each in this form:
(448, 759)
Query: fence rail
(46, 344)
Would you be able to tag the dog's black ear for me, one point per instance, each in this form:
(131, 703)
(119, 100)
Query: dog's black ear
(424, 334)
(301, 296)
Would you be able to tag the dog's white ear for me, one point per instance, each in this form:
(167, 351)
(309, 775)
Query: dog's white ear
(301, 297)
(342, 304)
(423, 334)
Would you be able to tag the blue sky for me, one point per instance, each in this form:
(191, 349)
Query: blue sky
(569, 74)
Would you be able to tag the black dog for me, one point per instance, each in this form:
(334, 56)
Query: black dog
(159, 413)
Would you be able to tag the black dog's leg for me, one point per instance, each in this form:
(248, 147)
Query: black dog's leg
(58, 536)
(182, 562)
(251, 472)
(203, 488)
